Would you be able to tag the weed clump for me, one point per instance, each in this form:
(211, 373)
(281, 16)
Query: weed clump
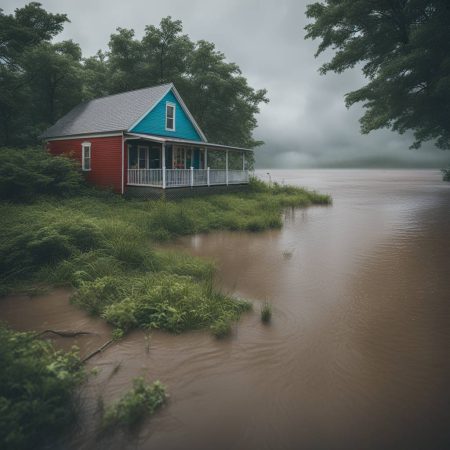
(266, 312)
(221, 327)
(142, 400)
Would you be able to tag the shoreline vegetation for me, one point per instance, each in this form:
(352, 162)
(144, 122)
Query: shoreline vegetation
(59, 232)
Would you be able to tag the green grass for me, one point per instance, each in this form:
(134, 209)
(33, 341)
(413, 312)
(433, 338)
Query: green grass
(104, 247)
(37, 390)
(142, 400)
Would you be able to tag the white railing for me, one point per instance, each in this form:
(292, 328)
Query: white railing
(186, 177)
(238, 176)
(217, 176)
(178, 177)
(145, 177)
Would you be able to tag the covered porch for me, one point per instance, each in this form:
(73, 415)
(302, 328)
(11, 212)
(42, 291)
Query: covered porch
(171, 163)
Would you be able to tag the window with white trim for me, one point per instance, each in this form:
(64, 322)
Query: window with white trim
(170, 116)
(86, 156)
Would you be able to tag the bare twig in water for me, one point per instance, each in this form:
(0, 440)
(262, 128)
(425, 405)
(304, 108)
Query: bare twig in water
(66, 333)
(99, 350)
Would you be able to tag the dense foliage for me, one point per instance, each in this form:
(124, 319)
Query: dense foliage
(403, 47)
(25, 174)
(41, 80)
(140, 401)
(37, 388)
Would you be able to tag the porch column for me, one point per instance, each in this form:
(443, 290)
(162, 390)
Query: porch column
(226, 166)
(206, 157)
(243, 160)
(163, 164)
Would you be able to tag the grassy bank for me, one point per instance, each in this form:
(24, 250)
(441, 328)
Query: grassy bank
(63, 233)
(58, 232)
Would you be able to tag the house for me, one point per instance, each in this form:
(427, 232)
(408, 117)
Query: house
(145, 142)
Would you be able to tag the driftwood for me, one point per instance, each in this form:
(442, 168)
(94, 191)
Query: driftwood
(65, 333)
(99, 350)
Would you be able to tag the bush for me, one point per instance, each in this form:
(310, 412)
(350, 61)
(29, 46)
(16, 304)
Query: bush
(445, 174)
(37, 386)
(26, 173)
(143, 399)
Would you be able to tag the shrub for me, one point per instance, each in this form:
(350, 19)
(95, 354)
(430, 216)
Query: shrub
(143, 399)
(37, 388)
(26, 173)
(445, 174)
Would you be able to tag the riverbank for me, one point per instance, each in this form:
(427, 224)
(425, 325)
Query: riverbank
(104, 249)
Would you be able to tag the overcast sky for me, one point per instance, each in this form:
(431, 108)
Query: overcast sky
(306, 123)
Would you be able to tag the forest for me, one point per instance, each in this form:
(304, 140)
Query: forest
(42, 78)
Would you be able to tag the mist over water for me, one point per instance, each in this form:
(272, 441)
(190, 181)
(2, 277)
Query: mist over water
(358, 351)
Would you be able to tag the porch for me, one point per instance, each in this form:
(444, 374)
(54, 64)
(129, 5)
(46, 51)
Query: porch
(162, 163)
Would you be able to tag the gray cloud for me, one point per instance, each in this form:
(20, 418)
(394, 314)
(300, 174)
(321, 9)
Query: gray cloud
(306, 123)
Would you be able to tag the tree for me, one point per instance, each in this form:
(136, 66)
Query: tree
(404, 49)
(20, 34)
(54, 76)
(215, 91)
(220, 98)
(166, 50)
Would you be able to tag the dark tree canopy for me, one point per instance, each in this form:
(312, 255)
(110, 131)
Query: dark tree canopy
(41, 80)
(403, 47)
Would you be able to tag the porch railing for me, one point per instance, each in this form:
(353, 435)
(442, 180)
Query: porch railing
(145, 177)
(170, 178)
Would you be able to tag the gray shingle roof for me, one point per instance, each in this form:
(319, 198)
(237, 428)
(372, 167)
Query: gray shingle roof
(112, 113)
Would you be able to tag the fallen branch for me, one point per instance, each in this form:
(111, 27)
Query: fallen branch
(99, 350)
(65, 333)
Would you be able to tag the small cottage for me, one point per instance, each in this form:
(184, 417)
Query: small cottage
(143, 141)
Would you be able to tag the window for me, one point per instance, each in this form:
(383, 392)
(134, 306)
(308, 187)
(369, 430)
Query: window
(86, 156)
(170, 116)
(143, 157)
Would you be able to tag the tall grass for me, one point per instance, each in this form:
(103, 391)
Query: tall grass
(102, 245)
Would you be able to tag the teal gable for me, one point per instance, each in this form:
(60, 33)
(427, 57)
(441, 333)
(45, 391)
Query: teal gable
(155, 121)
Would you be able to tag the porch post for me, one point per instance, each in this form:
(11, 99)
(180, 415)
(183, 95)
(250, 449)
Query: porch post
(192, 176)
(206, 157)
(207, 176)
(163, 164)
(243, 160)
(226, 166)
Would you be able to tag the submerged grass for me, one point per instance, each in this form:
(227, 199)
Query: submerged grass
(266, 312)
(101, 245)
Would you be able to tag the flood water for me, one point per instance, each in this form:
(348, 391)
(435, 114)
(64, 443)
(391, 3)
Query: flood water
(357, 355)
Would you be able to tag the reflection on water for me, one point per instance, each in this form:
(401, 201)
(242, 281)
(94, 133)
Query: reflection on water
(357, 354)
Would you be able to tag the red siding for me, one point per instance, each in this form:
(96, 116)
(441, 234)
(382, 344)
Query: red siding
(106, 166)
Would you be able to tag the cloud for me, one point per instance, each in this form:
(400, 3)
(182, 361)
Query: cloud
(306, 123)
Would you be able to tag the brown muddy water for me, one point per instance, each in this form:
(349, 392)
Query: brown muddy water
(357, 355)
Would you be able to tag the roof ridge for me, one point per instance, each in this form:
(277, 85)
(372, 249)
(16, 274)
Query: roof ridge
(127, 92)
